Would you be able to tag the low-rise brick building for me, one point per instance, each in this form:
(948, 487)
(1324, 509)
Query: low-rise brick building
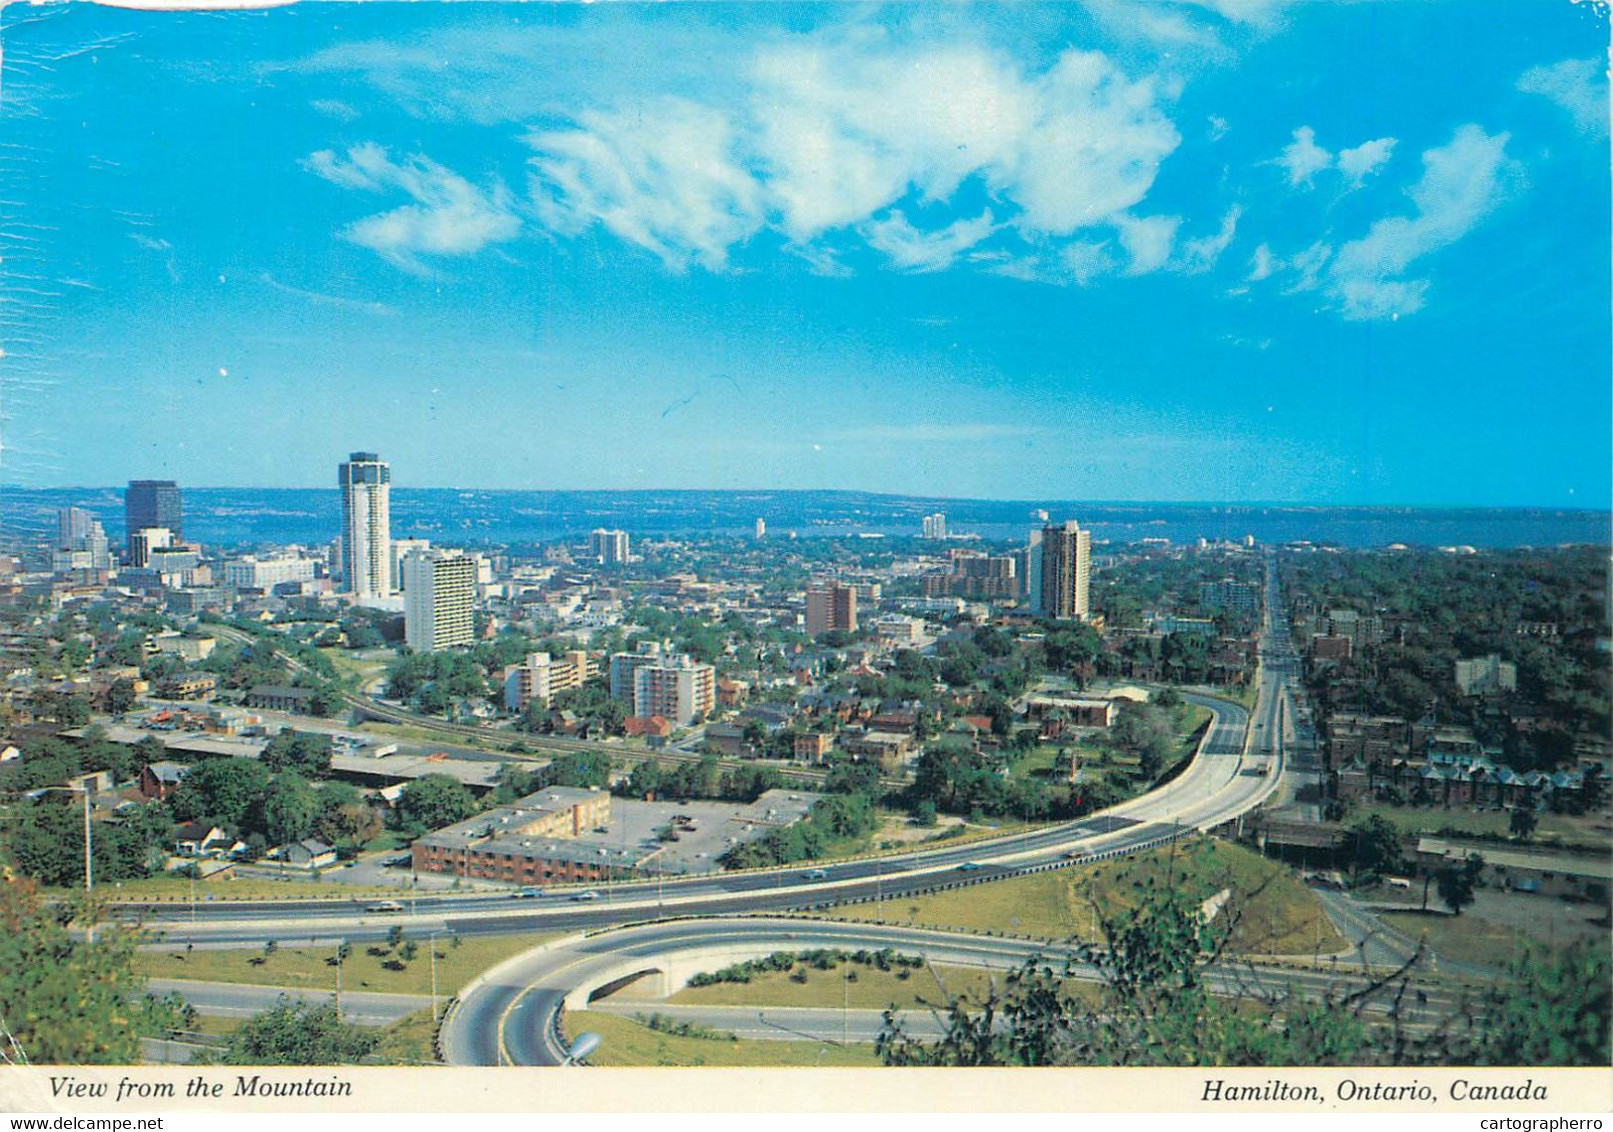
(526, 842)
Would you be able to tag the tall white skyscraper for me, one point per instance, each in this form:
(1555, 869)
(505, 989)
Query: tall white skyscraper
(366, 483)
(439, 596)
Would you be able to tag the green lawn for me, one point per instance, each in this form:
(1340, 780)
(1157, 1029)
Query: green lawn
(1415, 820)
(357, 667)
(1038, 763)
(872, 989)
(1466, 938)
(1276, 914)
(177, 890)
(292, 966)
(1099, 759)
(627, 1042)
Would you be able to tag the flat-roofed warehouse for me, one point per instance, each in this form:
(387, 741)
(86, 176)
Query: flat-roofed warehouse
(477, 775)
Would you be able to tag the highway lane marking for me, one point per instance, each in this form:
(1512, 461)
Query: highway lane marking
(504, 1056)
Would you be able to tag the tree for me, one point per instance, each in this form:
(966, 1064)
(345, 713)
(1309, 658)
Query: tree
(46, 840)
(67, 1002)
(1145, 731)
(581, 768)
(1377, 846)
(432, 801)
(306, 752)
(347, 823)
(221, 792)
(1523, 823)
(298, 1034)
(120, 696)
(290, 808)
(1552, 1009)
(1455, 883)
(755, 734)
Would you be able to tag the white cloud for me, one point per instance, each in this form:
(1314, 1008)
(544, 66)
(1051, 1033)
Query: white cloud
(935, 433)
(1579, 86)
(1371, 299)
(1086, 260)
(1200, 255)
(1262, 264)
(1365, 159)
(1462, 182)
(1148, 241)
(335, 109)
(663, 177)
(910, 249)
(1309, 264)
(837, 132)
(322, 299)
(450, 216)
(1303, 158)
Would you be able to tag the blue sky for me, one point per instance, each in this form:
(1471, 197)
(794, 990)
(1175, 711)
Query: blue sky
(1221, 250)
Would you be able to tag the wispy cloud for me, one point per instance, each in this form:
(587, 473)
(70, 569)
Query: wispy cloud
(334, 108)
(934, 433)
(1199, 255)
(1303, 159)
(449, 216)
(1462, 182)
(1579, 86)
(910, 249)
(322, 299)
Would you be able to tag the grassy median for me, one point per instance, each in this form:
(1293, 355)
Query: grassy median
(627, 1042)
(368, 966)
(1276, 914)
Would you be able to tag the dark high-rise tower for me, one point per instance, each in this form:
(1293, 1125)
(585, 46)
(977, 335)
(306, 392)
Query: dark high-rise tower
(152, 503)
(1066, 572)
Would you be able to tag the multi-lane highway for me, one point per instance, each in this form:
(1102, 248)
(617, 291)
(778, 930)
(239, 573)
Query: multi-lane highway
(1222, 781)
(508, 1015)
(511, 1014)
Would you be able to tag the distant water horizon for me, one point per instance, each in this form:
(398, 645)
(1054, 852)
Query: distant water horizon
(452, 516)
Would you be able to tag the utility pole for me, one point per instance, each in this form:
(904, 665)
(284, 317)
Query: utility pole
(431, 942)
(845, 1009)
(89, 870)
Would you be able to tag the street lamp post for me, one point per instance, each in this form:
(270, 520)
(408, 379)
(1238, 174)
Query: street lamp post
(845, 1009)
(340, 946)
(431, 942)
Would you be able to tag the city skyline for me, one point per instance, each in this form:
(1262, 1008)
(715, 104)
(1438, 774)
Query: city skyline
(1171, 254)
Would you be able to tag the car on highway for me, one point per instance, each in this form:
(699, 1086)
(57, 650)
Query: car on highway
(588, 895)
(384, 906)
(1075, 855)
(815, 874)
(527, 893)
(970, 866)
